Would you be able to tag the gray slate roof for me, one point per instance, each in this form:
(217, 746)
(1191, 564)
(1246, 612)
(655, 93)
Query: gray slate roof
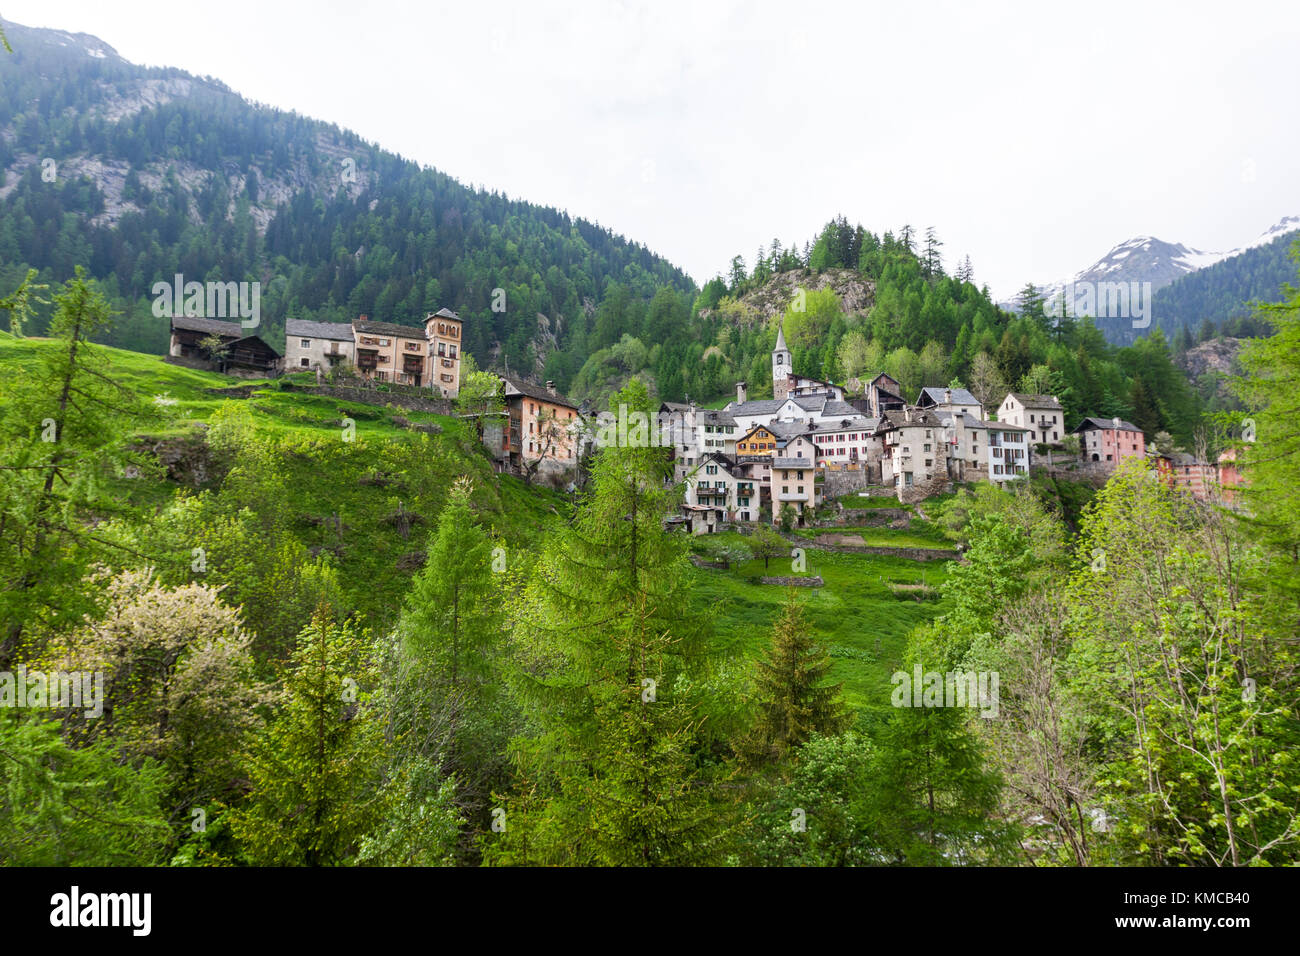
(390, 328)
(893, 418)
(539, 392)
(1036, 401)
(1107, 424)
(208, 326)
(853, 421)
(714, 416)
(304, 328)
(792, 462)
(960, 396)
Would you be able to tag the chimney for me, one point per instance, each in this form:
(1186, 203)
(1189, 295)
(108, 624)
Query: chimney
(364, 318)
(1115, 422)
(550, 386)
(740, 393)
(947, 396)
(907, 413)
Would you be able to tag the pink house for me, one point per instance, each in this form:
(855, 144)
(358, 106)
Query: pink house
(1109, 441)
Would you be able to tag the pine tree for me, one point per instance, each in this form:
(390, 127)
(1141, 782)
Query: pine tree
(793, 701)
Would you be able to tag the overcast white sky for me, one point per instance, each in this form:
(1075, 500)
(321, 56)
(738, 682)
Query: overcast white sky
(1033, 136)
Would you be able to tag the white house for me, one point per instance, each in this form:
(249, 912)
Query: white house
(312, 345)
(1009, 451)
(845, 442)
(942, 400)
(1041, 414)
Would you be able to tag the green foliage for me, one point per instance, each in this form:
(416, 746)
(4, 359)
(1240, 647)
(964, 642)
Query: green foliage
(65, 806)
(792, 699)
(605, 629)
(315, 774)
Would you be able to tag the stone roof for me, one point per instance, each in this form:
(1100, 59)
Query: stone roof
(539, 392)
(445, 314)
(960, 396)
(1036, 401)
(190, 323)
(892, 418)
(1108, 424)
(389, 328)
(853, 421)
(714, 416)
(792, 463)
(970, 421)
(304, 328)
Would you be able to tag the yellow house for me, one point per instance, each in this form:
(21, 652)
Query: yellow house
(757, 441)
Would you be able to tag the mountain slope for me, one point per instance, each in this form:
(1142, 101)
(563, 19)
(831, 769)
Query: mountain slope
(1146, 259)
(142, 173)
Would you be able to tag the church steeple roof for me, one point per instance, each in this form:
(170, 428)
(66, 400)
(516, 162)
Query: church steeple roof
(780, 337)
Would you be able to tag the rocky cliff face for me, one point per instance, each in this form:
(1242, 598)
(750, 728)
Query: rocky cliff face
(762, 305)
(1217, 355)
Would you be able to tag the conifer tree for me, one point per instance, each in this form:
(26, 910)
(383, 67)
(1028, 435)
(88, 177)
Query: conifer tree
(316, 773)
(452, 615)
(62, 433)
(794, 702)
(605, 630)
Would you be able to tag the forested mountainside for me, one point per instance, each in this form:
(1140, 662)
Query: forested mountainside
(153, 172)
(141, 173)
(1219, 296)
(854, 303)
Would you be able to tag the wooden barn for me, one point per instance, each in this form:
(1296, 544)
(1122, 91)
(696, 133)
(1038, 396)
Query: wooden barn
(237, 354)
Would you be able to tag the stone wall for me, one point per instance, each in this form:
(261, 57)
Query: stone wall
(814, 581)
(370, 396)
(911, 554)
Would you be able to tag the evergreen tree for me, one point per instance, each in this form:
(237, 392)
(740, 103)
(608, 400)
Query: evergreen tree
(315, 775)
(605, 630)
(62, 432)
(794, 702)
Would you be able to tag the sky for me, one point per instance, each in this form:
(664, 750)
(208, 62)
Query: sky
(1032, 136)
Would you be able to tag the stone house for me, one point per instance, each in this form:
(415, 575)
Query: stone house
(1109, 441)
(311, 346)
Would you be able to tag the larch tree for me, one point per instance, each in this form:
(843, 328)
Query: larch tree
(63, 435)
(605, 629)
(316, 773)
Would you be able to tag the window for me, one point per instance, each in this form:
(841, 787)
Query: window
(305, 343)
(304, 361)
(1031, 419)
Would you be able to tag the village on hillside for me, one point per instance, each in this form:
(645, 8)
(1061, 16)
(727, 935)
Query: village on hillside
(774, 460)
